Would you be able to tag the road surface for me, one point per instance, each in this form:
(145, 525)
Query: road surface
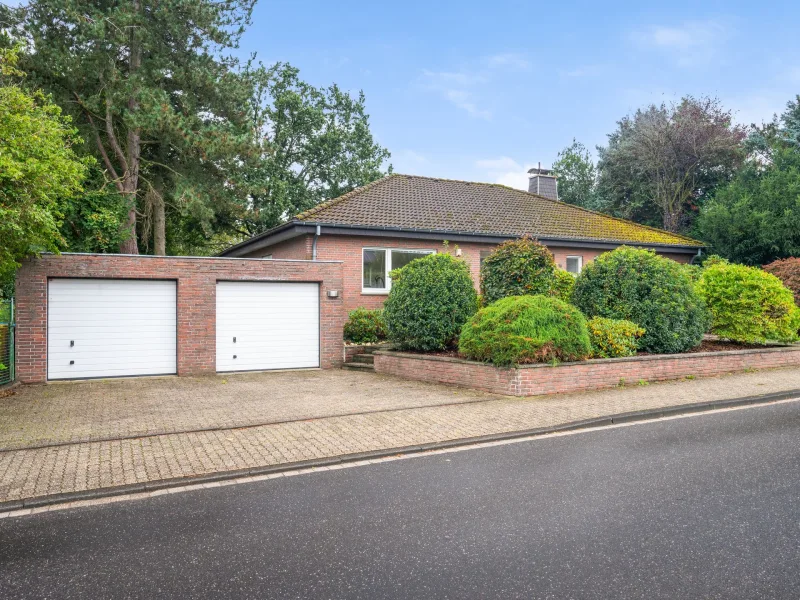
(698, 507)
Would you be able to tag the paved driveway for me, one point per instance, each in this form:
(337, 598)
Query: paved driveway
(61, 413)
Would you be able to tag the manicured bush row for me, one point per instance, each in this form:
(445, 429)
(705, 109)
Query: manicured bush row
(522, 267)
(526, 329)
(365, 326)
(654, 292)
(748, 305)
(788, 271)
(613, 339)
(431, 298)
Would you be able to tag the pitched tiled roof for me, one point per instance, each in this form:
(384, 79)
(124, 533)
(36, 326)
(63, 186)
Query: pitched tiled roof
(412, 202)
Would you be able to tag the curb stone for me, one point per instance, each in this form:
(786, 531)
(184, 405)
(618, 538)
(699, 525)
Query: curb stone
(588, 424)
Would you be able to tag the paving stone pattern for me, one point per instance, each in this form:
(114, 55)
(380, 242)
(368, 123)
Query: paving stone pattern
(29, 473)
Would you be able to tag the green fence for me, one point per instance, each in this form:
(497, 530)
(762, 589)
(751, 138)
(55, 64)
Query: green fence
(6, 341)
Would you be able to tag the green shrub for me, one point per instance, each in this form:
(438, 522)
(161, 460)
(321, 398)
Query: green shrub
(748, 304)
(788, 271)
(613, 339)
(517, 268)
(365, 326)
(563, 285)
(526, 329)
(431, 298)
(654, 292)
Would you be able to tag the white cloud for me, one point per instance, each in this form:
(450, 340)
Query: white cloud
(691, 43)
(465, 87)
(457, 88)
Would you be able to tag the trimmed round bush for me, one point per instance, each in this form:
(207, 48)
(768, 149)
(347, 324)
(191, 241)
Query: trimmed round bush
(613, 339)
(365, 326)
(654, 292)
(563, 285)
(526, 329)
(749, 305)
(431, 298)
(517, 268)
(788, 271)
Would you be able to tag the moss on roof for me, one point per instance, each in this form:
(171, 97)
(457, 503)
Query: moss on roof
(413, 202)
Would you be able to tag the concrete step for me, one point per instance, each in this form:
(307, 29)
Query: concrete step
(366, 359)
(357, 366)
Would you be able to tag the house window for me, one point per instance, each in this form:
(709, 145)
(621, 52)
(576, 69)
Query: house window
(574, 264)
(484, 255)
(378, 262)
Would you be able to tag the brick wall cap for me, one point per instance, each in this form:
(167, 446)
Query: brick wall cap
(594, 361)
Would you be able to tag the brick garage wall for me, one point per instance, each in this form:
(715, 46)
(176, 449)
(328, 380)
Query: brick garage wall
(196, 283)
(534, 380)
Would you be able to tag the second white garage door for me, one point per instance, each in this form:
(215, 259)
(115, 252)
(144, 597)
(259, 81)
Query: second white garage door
(267, 325)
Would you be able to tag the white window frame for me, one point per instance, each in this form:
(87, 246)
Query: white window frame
(384, 291)
(580, 263)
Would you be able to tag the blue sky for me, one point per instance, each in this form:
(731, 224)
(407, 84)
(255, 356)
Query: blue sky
(484, 90)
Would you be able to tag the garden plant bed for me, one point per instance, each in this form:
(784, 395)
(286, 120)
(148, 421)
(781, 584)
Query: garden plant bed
(532, 380)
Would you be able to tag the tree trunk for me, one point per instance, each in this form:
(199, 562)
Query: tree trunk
(131, 177)
(159, 226)
(130, 245)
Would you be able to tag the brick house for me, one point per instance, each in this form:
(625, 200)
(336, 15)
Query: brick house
(387, 223)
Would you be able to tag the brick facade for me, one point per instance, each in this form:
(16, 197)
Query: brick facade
(347, 249)
(535, 380)
(196, 285)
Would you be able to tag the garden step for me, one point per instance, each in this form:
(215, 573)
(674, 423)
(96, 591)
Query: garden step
(357, 366)
(367, 359)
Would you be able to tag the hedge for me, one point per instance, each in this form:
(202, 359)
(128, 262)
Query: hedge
(517, 268)
(431, 298)
(526, 329)
(365, 326)
(613, 339)
(788, 271)
(654, 292)
(749, 305)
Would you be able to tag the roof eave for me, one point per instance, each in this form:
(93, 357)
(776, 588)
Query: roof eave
(295, 228)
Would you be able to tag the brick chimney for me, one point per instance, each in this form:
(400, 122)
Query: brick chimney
(543, 182)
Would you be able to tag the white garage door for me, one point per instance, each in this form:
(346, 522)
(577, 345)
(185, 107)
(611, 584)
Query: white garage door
(264, 325)
(110, 328)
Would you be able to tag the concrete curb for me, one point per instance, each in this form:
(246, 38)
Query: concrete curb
(629, 417)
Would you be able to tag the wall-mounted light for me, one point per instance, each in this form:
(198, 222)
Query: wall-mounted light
(333, 293)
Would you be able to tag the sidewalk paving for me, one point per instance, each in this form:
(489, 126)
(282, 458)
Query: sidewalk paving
(84, 466)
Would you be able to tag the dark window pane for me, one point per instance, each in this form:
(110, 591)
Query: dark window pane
(401, 258)
(374, 271)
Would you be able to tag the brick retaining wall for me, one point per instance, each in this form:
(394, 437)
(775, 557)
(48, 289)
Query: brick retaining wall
(534, 380)
(196, 284)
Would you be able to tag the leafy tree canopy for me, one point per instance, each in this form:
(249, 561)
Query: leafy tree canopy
(38, 169)
(577, 176)
(756, 218)
(315, 144)
(663, 161)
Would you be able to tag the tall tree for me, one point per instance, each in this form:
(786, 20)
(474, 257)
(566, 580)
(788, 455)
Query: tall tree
(147, 81)
(38, 169)
(315, 144)
(756, 218)
(663, 161)
(577, 176)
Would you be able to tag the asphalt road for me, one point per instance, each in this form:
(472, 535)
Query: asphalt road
(701, 507)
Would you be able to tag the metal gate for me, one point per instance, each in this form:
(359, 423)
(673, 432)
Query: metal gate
(6, 341)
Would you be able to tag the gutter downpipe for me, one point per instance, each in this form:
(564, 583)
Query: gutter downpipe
(698, 255)
(314, 245)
